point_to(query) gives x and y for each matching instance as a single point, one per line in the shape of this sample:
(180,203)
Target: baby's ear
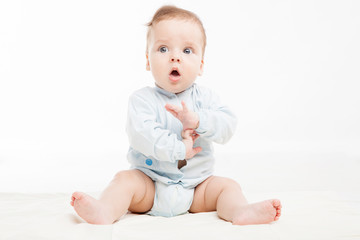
(147,62)
(201,68)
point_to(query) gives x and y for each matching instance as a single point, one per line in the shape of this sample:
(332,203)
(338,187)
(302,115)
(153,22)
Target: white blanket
(320,196)
(306,215)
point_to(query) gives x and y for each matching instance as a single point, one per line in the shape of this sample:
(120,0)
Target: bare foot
(89,209)
(258,213)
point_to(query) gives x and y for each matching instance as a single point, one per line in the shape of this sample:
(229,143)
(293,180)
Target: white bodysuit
(156,144)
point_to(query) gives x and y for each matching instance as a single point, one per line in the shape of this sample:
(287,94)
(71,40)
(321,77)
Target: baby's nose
(175,60)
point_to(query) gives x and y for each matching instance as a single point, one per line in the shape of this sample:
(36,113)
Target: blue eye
(163,49)
(187,51)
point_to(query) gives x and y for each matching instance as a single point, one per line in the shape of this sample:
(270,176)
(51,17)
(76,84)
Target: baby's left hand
(189,136)
(188,118)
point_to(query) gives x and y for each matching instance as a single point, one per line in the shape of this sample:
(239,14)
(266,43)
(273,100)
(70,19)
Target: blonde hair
(171,12)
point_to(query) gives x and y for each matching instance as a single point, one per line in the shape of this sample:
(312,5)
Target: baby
(171,128)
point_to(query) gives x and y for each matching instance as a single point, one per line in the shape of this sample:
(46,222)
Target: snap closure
(148,162)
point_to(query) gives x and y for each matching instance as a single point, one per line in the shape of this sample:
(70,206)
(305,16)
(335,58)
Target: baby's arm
(147,134)
(216,122)
(212,120)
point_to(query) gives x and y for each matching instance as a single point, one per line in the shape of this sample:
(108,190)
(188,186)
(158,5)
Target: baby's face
(175,54)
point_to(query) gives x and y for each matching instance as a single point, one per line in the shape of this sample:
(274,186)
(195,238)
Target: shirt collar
(170,94)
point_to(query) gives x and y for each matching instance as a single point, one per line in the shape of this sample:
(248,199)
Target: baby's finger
(175,114)
(173,108)
(195,136)
(197,150)
(187,133)
(194,152)
(185,109)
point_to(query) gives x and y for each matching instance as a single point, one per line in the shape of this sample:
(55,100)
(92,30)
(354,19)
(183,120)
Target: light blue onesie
(156,144)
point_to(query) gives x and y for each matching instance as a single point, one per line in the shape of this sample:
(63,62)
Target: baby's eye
(163,49)
(187,50)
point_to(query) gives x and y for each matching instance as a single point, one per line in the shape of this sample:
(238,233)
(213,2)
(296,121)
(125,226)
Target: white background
(290,70)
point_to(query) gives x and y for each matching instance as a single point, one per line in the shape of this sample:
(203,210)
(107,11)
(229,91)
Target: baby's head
(176,43)
(171,12)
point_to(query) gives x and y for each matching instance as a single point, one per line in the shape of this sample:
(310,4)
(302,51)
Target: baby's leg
(225,196)
(129,190)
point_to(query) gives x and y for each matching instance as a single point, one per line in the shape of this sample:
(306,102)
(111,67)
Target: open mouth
(174,75)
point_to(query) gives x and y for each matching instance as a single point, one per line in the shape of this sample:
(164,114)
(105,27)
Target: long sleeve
(216,122)
(147,134)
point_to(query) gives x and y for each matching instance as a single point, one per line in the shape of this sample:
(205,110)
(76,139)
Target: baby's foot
(89,209)
(258,213)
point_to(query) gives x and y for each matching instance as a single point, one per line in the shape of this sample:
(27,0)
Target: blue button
(148,162)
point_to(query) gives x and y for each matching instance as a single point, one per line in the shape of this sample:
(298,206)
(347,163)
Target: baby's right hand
(188,118)
(189,137)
